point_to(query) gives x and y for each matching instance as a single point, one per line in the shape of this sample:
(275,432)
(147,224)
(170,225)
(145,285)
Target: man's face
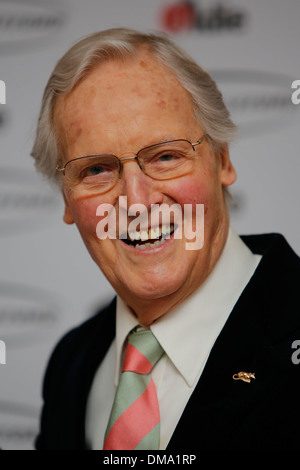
(119,109)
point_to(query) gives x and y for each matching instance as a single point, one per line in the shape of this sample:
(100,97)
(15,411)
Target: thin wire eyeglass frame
(137,157)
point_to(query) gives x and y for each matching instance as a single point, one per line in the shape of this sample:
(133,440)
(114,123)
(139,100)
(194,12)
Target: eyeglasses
(97,174)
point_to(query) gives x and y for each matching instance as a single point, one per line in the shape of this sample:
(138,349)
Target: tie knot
(142,352)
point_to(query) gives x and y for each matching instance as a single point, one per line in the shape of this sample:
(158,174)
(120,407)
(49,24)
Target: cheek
(201,189)
(84,214)
(192,191)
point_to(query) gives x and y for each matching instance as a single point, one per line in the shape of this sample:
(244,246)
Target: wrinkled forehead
(134,81)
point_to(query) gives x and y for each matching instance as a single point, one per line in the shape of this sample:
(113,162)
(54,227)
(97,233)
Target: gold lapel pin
(244,376)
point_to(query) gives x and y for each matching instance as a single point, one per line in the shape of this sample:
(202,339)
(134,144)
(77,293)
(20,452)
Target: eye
(167,157)
(166,162)
(170,157)
(95,170)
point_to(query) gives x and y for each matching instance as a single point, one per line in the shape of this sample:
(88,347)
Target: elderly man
(195,351)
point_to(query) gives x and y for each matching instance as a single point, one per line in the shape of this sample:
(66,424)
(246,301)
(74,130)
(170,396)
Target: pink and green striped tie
(134,419)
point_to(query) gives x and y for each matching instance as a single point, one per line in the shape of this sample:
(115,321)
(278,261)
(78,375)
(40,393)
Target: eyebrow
(165,138)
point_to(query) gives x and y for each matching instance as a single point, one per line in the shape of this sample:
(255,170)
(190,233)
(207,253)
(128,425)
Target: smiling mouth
(152,238)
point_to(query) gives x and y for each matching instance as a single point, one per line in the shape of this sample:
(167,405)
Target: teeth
(144,246)
(154,233)
(144,235)
(135,236)
(164,231)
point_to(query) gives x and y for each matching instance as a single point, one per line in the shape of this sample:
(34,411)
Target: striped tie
(134,419)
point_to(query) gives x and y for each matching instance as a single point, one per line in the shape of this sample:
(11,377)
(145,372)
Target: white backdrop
(48,283)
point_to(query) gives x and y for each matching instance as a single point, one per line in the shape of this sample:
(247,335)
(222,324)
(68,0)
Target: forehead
(124,97)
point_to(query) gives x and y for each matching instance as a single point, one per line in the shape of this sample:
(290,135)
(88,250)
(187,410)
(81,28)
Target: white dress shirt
(187,334)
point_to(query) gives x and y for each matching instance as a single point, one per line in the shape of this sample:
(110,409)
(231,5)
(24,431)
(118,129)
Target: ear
(67,217)
(227,171)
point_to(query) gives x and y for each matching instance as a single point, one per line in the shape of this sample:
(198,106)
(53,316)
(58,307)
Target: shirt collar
(189,330)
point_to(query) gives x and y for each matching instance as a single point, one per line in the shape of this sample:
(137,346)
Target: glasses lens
(95,174)
(167,160)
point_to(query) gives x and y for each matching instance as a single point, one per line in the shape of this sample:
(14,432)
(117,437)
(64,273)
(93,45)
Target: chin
(154,290)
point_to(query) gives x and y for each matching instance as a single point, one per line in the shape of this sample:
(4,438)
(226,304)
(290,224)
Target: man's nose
(138,187)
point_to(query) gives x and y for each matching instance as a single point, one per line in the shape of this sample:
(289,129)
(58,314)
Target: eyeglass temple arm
(200,141)
(60,169)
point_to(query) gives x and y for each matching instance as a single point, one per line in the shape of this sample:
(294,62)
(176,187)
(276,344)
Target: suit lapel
(223,413)
(99,336)
(218,400)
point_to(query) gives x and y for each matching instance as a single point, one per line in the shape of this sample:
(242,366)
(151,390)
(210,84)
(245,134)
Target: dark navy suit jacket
(222,413)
